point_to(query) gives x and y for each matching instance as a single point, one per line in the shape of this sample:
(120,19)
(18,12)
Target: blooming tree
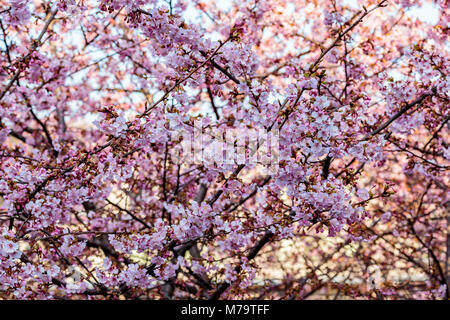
(96,201)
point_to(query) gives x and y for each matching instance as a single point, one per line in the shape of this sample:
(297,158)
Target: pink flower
(363,194)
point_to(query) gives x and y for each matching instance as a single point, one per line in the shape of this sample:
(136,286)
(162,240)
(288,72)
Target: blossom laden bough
(180,149)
